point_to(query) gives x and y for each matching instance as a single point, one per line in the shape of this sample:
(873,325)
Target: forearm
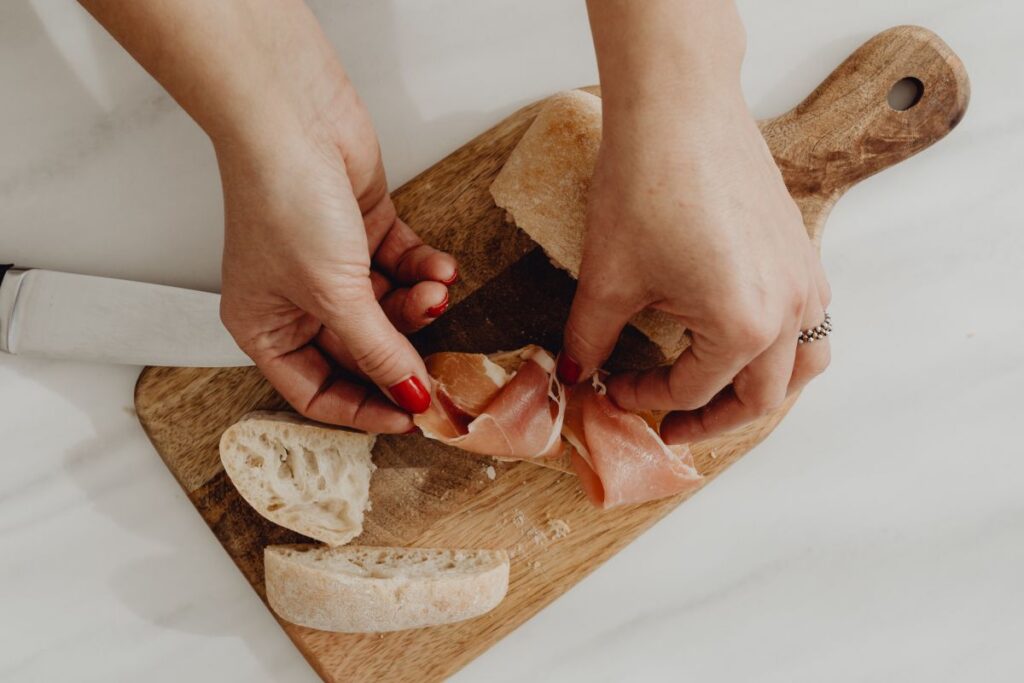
(245,70)
(670,52)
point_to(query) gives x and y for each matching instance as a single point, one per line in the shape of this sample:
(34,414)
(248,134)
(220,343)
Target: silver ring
(817,332)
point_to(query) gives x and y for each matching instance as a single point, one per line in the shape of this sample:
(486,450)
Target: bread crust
(543,188)
(363,589)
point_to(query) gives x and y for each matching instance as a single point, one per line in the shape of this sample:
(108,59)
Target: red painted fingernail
(437,310)
(568,369)
(414,430)
(452,279)
(411,395)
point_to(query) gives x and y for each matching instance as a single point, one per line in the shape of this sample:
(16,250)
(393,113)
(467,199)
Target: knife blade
(106,320)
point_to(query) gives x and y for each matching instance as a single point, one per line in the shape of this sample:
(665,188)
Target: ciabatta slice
(364,589)
(307,477)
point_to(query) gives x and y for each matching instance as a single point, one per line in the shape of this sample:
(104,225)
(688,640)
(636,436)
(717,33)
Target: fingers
(376,349)
(758,389)
(308,382)
(728,411)
(811,360)
(403,256)
(700,372)
(412,308)
(595,322)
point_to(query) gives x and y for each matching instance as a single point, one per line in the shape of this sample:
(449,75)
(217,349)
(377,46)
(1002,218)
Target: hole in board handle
(905,93)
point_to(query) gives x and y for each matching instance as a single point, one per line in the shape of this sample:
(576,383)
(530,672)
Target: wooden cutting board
(425,494)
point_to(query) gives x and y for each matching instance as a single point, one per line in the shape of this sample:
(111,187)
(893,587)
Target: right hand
(689,214)
(321,277)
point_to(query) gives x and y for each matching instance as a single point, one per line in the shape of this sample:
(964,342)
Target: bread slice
(543,188)
(364,589)
(307,477)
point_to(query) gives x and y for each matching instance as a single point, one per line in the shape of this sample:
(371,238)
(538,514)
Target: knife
(101,319)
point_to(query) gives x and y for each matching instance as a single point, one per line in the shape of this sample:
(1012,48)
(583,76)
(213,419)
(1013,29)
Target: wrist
(665,53)
(277,107)
(272,77)
(282,126)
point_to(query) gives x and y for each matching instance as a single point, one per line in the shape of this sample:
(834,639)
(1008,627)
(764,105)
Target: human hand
(321,277)
(689,214)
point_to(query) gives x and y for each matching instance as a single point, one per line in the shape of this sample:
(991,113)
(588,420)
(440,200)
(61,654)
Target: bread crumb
(519,518)
(535,565)
(558,528)
(491,474)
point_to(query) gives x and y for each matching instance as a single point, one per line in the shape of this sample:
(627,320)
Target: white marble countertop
(877,535)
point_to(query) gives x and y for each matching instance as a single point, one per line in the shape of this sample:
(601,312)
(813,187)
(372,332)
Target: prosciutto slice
(618,456)
(480,406)
(511,406)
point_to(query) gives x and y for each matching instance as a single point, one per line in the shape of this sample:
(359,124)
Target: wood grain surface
(425,494)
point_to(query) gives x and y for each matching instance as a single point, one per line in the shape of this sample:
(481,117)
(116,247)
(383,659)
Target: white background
(877,535)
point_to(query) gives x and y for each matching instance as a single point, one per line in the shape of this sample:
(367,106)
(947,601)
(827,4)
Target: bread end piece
(543,188)
(304,476)
(364,589)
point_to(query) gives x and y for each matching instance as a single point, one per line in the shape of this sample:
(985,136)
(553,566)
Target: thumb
(595,322)
(376,348)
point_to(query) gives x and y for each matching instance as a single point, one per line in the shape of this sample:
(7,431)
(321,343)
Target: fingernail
(452,279)
(437,310)
(568,369)
(414,430)
(411,395)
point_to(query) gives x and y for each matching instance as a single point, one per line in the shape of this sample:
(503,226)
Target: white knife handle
(60,315)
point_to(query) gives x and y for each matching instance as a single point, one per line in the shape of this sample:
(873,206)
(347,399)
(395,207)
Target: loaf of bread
(363,589)
(307,477)
(543,188)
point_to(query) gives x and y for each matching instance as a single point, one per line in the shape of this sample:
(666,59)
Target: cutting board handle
(854,124)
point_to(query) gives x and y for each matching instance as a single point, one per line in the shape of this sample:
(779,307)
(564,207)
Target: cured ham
(511,406)
(618,456)
(507,406)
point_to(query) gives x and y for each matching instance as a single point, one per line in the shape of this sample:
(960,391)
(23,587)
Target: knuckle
(582,347)
(378,359)
(682,395)
(353,412)
(795,302)
(759,397)
(413,258)
(749,329)
(331,281)
(766,400)
(603,291)
(338,293)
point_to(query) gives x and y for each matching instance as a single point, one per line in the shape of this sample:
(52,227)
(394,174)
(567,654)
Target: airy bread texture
(307,477)
(363,589)
(543,188)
